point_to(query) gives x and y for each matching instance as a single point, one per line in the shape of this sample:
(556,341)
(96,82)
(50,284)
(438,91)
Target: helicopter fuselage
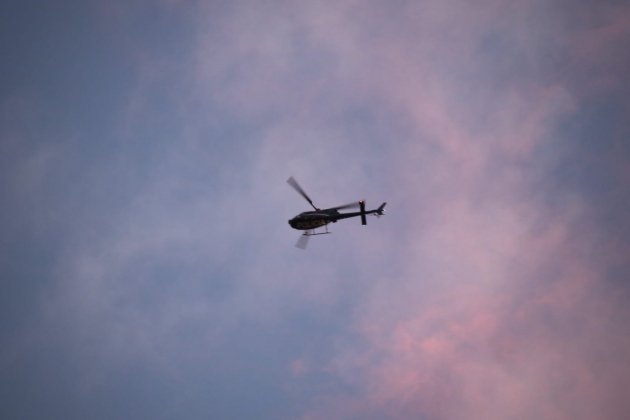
(318,218)
(312,220)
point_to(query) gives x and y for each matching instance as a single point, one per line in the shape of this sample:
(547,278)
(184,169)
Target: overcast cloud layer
(146,264)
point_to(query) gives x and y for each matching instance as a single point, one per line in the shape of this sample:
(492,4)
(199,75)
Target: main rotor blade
(346,206)
(292,182)
(302,241)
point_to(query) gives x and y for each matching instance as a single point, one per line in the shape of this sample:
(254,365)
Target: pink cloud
(497,306)
(500,311)
(515,351)
(485,293)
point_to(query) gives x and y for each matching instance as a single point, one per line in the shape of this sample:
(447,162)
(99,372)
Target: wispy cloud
(492,288)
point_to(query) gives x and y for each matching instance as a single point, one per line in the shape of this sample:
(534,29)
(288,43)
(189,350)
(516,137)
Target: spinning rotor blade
(292,182)
(347,206)
(302,241)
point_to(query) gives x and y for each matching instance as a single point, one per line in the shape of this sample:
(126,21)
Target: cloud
(493,286)
(493,310)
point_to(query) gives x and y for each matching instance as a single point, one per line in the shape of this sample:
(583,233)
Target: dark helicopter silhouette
(311,220)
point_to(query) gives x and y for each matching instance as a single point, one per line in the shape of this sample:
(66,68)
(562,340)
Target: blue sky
(147,265)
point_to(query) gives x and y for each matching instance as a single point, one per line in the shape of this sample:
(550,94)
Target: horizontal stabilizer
(380,211)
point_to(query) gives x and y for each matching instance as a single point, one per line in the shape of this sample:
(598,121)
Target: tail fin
(362,206)
(380,211)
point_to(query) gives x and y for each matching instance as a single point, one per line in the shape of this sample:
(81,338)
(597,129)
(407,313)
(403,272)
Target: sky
(146,264)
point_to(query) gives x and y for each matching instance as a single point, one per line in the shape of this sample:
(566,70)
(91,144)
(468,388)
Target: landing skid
(303,239)
(315,233)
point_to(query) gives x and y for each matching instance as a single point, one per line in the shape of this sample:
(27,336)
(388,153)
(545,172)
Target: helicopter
(308,221)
